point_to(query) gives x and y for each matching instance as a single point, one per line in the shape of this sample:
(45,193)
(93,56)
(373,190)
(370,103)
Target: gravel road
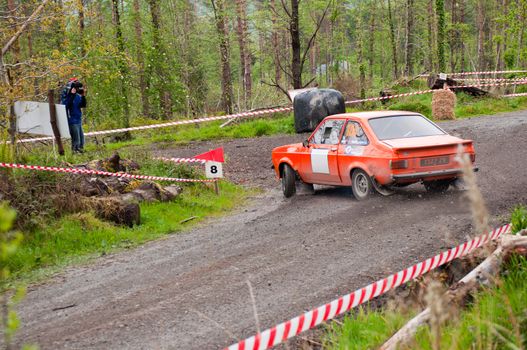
(189,291)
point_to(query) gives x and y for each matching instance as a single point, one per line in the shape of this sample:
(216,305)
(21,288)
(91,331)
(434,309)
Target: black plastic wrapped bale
(312,106)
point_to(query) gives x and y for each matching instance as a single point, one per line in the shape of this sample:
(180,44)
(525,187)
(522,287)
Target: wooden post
(53,120)
(217,187)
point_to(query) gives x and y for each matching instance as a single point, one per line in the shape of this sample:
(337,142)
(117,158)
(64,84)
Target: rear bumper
(429,174)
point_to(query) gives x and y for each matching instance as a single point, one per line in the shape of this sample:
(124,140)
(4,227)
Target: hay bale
(443,104)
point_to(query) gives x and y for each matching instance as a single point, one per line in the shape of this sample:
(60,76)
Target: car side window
(354,135)
(328,133)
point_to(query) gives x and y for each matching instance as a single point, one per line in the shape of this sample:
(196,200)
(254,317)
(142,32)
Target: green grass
(77,237)
(466,106)
(364,329)
(496,318)
(279,124)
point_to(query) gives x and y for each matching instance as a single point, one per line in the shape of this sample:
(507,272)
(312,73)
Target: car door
(353,145)
(322,155)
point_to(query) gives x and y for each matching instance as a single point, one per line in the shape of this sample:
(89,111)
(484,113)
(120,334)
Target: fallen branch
(482,275)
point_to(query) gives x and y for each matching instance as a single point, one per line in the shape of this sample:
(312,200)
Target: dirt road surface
(190,291)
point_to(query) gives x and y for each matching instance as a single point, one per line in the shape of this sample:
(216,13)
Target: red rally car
(373,150)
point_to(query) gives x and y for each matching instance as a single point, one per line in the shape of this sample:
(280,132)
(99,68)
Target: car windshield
(403,126)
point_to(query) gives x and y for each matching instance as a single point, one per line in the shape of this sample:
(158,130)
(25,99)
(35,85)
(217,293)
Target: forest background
(144,60)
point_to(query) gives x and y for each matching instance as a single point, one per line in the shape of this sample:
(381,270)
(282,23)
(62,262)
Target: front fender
(284,160)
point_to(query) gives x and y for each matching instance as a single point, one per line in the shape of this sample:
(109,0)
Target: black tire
(437,186)
(360,184)
(288,181)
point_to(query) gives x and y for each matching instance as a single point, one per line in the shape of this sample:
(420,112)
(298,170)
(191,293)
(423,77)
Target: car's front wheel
(360,184)
(288,181)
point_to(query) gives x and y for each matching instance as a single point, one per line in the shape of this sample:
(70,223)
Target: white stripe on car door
(319,161)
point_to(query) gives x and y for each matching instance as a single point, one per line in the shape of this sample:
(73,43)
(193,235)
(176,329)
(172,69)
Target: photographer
(75,101)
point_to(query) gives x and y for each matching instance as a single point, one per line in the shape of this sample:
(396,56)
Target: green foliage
(496,319)
(519,219)
(9,245)
(364,329)
(76,237)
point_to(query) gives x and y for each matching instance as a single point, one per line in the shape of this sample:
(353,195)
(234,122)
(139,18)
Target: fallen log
(483,275)
(435,82)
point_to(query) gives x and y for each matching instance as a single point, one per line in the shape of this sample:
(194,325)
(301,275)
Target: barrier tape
(518,82)
(259,113)
(97,172)
(480,73)
(175,123)
(278,334)
(516,95)
(494,79)
(388,97)
(182,160)
(488,72)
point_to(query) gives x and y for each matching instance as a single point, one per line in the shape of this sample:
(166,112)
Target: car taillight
(473,157)
(399,164)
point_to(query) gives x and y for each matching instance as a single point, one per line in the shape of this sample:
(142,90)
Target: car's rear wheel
(360,184)
(437,186)
(288,181)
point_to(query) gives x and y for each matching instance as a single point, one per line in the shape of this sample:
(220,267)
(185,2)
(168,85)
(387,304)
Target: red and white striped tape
(493,79)
(480,73)
(260,112)
(182,160)
(176,123)
(96,172)
(488,72)
(516,95)
(308,320)
(504,83)
(388,97)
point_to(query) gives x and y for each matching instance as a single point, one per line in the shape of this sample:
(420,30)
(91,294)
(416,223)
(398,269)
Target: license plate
(435,161)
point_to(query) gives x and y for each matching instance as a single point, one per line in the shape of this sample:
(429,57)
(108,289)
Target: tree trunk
(226,76)
(454,35)
(123,68)
(275,43)
(409,45)
(392,40)
(245,55)
(461,42)
(371,57)
(145,104)
(440,10)
(294,31)
(165,96)
(481,35)
(362,69)
(12,8)
(430,37)
(80,8)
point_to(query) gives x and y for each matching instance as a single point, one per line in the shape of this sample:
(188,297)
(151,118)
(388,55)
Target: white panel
(319,161)
(213,170)
(33,118)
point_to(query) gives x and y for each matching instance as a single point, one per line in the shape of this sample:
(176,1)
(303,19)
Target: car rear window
(403,126)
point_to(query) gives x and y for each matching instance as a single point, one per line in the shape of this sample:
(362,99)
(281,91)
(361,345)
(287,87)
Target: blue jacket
(74,103)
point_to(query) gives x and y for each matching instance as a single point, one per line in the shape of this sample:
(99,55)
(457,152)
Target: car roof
(372,114)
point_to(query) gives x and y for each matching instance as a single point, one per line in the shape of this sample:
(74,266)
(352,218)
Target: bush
(519,219)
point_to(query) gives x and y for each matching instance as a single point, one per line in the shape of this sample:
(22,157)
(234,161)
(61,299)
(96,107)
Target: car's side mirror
(305,143)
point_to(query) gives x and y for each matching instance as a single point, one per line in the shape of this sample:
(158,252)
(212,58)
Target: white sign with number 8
(213,170)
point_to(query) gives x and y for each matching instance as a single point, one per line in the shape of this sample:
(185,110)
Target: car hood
(425,141)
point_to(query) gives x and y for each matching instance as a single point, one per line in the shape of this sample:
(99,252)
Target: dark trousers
(77,137)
